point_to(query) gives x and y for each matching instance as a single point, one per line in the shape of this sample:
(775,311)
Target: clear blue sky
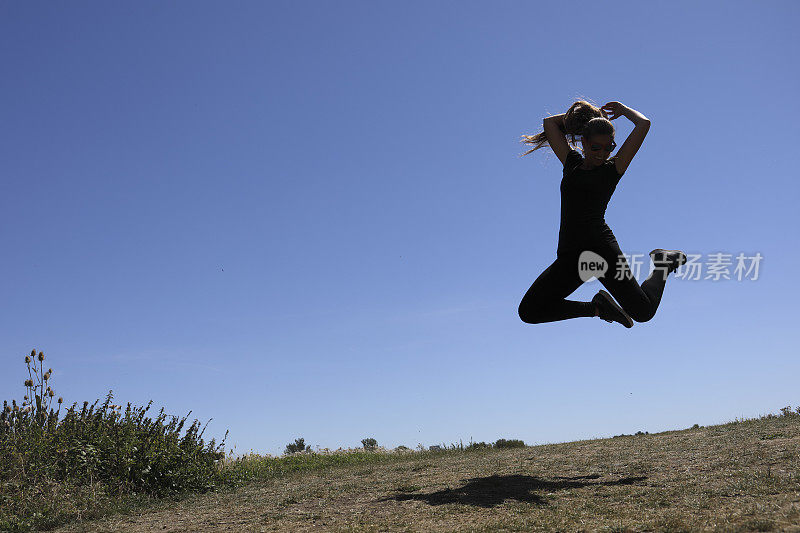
(311,220)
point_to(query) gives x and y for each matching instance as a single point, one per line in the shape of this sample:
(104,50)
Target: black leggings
(546,300)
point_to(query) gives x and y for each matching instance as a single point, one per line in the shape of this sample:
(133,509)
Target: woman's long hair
(581,119)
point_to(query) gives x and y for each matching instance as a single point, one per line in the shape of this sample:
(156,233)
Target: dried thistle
(41,356)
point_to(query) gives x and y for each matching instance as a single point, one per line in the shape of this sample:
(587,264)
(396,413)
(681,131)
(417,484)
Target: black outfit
(584,198)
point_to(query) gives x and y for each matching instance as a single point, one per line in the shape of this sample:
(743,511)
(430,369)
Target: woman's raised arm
(554,129)
(635,139)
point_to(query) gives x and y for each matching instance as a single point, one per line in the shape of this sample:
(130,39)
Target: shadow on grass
(494,490)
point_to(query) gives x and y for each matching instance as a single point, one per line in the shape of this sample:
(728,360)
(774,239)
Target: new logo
(591,266)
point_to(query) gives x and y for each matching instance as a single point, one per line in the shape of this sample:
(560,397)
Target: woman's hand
(615,108)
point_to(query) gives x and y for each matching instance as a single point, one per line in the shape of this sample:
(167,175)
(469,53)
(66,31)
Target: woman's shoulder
(611,168)
(573,159)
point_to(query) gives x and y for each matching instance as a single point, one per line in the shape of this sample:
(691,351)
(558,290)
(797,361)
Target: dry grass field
(739,476)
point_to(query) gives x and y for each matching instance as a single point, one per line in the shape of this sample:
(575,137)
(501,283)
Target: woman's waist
(589,226)
(582,234)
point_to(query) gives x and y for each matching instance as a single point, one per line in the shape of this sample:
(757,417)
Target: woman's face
(603,146)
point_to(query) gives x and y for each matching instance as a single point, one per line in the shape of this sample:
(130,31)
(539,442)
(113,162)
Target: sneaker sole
(607,297)
(681,260)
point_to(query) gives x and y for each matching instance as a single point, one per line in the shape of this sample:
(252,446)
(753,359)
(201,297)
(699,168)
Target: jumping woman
(588,182)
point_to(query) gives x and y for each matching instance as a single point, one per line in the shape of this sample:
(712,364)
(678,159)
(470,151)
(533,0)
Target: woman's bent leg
(639,301)
(545,300)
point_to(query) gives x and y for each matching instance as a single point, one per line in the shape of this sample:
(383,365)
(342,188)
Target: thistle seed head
(60,399)
(27,358)
(50,392)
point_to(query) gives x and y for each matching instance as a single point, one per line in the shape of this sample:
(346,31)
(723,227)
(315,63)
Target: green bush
(513,443)
(92,454)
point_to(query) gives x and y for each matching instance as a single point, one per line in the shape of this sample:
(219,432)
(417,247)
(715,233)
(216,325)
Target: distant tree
(369,444)
(297,446)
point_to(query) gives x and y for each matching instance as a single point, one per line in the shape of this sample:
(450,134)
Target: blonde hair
(583,118)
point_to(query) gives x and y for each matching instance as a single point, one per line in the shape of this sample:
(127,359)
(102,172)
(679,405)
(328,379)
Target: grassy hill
(739,476)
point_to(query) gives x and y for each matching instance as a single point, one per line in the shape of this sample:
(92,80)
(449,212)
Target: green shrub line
(55,467)
(98,459)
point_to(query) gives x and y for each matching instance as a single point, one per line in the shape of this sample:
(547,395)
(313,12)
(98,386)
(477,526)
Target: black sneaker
(610,311)
(672,258)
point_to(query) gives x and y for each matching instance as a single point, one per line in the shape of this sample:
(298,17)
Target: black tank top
(584,198)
